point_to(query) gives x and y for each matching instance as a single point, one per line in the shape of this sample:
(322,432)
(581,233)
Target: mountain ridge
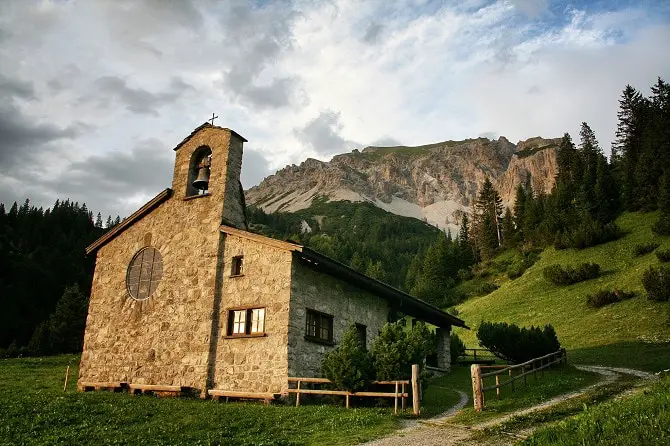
(435,182)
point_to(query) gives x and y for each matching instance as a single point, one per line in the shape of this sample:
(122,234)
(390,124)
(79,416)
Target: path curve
(437,430)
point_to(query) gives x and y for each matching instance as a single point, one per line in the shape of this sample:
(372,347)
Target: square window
(319,326)
(246,322)
(236,267)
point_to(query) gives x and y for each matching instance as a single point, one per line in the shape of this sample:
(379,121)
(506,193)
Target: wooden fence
(533,366)
(476,356)
(400,392)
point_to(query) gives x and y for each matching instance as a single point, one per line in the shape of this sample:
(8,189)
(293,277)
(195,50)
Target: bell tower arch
(208,164)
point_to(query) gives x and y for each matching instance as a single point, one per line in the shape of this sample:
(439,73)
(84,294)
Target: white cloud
(119,80)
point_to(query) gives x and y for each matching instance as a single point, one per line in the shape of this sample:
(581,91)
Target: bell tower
(208,165)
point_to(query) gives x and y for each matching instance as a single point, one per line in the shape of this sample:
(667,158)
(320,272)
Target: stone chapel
(185,296)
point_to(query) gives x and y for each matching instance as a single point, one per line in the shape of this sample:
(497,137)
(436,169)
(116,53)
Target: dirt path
(438,430)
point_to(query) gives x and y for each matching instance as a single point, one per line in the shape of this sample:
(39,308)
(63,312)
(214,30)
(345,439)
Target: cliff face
(436,182)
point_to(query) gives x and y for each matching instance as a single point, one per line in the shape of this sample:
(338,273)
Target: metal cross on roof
(213,118)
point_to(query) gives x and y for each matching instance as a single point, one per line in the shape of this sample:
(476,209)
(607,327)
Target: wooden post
(415,390)
(475,354)
(297,395)
(395,407)
(347,399)
(498,386)
(403,396)
(510,375)
(67,373)
(477,395)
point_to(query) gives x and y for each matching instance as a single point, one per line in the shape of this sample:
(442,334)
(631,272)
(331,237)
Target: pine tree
(98,221)
(625,149)
(662,225)
(508,230)
(606,193)
(68,321)
(488,213)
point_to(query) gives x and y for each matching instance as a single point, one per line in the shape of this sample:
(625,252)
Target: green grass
(555,382)
(35,410)
(643,419)
(633,333)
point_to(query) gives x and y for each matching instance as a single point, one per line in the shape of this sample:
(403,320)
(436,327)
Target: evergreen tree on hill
(487,220)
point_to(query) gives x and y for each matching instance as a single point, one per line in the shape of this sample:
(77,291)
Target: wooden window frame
(237,266)
(248,311)
(319,317)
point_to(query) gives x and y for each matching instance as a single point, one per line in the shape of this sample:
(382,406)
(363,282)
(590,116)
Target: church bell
(202,181)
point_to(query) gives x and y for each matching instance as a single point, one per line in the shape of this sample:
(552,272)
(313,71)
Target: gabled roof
(118,229)
(399,300)
(203,126)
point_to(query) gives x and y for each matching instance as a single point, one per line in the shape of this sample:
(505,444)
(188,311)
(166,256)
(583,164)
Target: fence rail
(485,356)
(533,366)
(400,393)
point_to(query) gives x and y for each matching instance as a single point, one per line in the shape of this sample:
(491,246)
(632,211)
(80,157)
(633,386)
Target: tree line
(589,193)
(45,276)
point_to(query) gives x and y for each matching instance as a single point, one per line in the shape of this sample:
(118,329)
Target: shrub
(656,282)
(663,256)
(662,225)
(606,297)
(511,343)
(515,270)
(394,351)
(486,288)
(464,274)
(589,233)
(558,275)
(349,366)
(645,248)
(457,348)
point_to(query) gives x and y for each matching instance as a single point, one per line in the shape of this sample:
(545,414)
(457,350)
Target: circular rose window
(144,273)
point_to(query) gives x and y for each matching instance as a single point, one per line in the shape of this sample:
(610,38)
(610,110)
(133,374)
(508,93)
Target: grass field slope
(632,333)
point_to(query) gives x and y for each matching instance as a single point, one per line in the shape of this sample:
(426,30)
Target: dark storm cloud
(144,168)
(256,38)
(137,100)
(22,137)
(322,134)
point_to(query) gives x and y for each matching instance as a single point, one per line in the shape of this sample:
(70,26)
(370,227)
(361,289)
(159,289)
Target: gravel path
(438,431)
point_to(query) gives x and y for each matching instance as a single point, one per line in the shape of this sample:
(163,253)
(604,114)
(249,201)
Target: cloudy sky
(94,94)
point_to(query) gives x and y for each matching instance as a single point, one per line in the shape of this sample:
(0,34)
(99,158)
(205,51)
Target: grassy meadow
(35,410)
(643,419)
(633,333)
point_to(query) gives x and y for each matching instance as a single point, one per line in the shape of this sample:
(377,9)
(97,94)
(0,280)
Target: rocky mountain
(435,182)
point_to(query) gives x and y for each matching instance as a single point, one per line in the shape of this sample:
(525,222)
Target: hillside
(633,333)
(370,240)
(435,182)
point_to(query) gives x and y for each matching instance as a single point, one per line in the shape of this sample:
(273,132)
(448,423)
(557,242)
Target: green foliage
(663,256)
(360,235)
(486,288)
(395,350)
(68,321)
(606,297)
(511,343)
(515,270)
(656,282)
(487,230)
(349,366)
(586,234)
(645,248)
(41,253)
(568,275)
(457,348)
(632,333)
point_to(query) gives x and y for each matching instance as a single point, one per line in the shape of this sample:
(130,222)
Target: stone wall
(166,338)
(324,293)
(255,364)
(233,205)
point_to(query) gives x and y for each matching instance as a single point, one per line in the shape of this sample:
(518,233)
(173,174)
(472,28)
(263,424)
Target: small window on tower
(236,268)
